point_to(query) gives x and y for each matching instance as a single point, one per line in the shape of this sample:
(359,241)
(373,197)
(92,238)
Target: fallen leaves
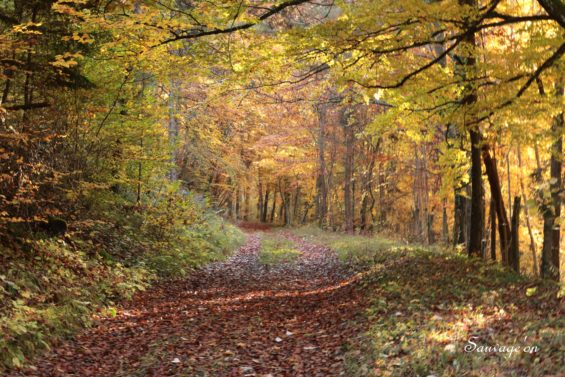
(234,318)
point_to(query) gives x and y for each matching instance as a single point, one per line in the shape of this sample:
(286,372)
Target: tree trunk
(551,208)
(474,247)
(260,202)
(444,223)
(527,213)
(296,205)
(368,184)
(307,207)
(173,133)
(492,215)
(274,207)
(237,203)
(322,190)
(265,205)
(460,218)
(496,195)
(509,182)
(139,171)
(348,167)
(466,65)
(514,253)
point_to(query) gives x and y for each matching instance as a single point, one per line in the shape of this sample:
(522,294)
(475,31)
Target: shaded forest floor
(241,317)
(308,303)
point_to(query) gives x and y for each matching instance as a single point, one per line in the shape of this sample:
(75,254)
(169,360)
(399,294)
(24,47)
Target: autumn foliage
(134,134)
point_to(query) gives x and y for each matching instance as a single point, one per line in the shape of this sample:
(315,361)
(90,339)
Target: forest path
(232,318)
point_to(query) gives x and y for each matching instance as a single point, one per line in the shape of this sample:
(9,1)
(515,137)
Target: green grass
(356,250)
(426,303)
(277,250)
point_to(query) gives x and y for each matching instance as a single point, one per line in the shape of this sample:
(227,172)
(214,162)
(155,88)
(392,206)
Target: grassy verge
(436,313)
(276,250)
(50,287)
(359,251)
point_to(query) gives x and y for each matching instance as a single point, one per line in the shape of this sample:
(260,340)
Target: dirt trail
(234,318)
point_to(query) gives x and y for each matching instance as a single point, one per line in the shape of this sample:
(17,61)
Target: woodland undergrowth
(50,287)
(426,303)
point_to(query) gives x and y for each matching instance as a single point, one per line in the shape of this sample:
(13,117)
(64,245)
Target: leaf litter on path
(232,318)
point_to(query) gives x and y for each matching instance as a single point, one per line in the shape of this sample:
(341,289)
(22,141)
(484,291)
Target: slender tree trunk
(527,213)
(551,209)
(509,182)
(322,189)
(496,195)
(444,223)
(9,73)
(492,215)
(246,203)
(514,254)
(282,208)
(139,171)
(173,132)
(287,212)
(237,211)
(265,205)
(260,203)
(274,207)
(368,184)
(285,203)
(460,219)
(474,247)
(296,205)
(307,207)
(348,166)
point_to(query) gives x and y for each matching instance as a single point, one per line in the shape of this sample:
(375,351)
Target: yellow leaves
(67,60)
(65,7)
(238,67)
(28,28)
(80,38)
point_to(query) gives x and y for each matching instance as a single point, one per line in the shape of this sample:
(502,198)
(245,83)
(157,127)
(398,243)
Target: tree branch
(556,9)
(28,106)
(199,32)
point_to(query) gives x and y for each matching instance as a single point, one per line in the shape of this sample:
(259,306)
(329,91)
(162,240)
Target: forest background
(133,130)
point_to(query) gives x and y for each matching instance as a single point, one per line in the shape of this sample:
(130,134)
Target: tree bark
(260,202)
(367,186)
(460,219)
(551,208)
(496,195)
(348,167)
(444,223)
(466,60)
(527,213)
(237,203)
(265,205)
(246,203)
(514,254)
(474,247)
(274,207)
(556,9)
(321,186)
(296,204)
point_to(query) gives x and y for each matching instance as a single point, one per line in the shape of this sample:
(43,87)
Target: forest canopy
(145,128)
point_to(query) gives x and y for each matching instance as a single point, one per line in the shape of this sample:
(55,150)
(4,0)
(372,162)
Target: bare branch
(199,32)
